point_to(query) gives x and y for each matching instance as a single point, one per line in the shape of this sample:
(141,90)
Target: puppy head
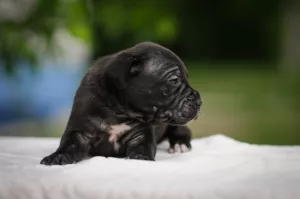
(151,83)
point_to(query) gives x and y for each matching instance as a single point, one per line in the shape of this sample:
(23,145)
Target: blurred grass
(256,106)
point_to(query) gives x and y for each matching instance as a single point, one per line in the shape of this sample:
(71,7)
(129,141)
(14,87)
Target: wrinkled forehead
(160,66)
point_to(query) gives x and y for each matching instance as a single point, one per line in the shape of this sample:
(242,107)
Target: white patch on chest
(115,131)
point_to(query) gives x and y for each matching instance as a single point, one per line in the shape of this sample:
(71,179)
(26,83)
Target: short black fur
(127,103)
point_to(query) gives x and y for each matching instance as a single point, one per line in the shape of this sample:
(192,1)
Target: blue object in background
(37,95)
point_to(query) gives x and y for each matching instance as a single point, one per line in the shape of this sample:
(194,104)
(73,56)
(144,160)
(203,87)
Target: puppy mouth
(180,111)
(183,114)
(187,109)
(187,112)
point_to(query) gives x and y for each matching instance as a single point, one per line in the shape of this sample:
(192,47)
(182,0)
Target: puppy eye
(134,66)
(135,62)
(174,80)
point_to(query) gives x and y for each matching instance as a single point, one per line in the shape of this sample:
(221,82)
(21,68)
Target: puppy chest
(116,131)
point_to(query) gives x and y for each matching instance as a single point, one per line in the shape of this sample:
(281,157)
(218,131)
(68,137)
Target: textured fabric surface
(217,167)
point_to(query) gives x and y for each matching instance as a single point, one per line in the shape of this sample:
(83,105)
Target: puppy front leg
(73,148)
(179,138)
(142,145)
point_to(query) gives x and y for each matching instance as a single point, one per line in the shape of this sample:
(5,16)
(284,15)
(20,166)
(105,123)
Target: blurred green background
(243,57)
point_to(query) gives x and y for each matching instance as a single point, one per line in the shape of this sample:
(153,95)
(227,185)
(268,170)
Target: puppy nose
(198,98)
(198,101)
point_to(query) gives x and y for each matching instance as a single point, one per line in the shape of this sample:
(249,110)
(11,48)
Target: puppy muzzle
(191,106)
(187,110)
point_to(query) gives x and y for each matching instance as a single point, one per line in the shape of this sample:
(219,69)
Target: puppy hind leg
(73,148)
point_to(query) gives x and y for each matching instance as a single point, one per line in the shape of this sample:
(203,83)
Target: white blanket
(218,167)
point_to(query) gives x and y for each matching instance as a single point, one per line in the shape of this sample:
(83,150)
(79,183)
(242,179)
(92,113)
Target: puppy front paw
(140,157)
(58,159)
(180,148)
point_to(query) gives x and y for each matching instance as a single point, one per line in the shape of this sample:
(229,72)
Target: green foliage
(16,37)
(77,20)
(141,20)
(119,24)
(22,40)
(196,30)
(147,19)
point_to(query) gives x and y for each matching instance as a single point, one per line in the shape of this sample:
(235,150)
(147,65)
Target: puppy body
(127,103)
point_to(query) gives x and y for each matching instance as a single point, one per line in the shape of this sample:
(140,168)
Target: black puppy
(126,103)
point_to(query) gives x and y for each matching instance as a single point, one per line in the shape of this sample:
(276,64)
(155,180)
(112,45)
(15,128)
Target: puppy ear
(134,68)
